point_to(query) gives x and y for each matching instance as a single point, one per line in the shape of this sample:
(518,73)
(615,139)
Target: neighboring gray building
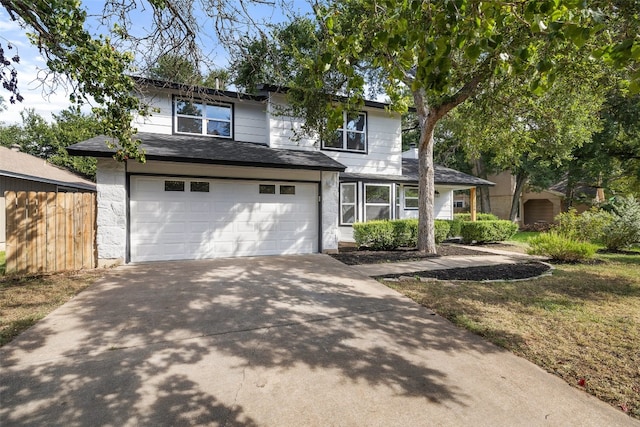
(24,172)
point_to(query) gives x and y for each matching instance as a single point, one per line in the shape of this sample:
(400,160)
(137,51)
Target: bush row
(388,235)
(575,237)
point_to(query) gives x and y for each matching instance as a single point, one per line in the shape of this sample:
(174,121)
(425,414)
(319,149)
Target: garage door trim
(220,178)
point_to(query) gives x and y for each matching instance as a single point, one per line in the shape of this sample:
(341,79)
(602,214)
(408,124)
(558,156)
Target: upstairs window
(196,117)
(352,136)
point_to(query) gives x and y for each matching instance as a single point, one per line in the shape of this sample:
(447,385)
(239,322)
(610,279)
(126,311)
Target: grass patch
(523,237)
(3,262)
(582,323)
(26,300)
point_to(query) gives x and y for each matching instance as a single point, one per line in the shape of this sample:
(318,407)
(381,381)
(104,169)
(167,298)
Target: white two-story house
(224,177)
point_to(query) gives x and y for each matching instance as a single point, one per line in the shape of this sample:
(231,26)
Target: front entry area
(174,218)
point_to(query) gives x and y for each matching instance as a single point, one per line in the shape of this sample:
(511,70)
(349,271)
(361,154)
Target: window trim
(410,208)
(389,204)
(354,204)
(204,119)
(342,129)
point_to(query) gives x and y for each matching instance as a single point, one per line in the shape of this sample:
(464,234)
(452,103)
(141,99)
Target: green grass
(523,236)
(3,262)
(581,323)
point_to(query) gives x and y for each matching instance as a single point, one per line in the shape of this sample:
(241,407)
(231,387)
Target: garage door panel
(232,219)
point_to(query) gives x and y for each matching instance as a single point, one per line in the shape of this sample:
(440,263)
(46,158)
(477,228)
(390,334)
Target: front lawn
(25,300)
(582,323)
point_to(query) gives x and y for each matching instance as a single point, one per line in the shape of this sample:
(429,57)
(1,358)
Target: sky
(32,66)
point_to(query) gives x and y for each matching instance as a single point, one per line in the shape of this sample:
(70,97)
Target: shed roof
(16,164)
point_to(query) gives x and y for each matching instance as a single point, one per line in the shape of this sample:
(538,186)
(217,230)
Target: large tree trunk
(426,187)
(521,179)
(480,170)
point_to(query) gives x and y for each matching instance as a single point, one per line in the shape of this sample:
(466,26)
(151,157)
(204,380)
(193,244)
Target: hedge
(388,235)
(479,216)
(487,231)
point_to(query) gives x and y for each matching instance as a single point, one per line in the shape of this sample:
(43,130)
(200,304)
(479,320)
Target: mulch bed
(494,272)
(351,256)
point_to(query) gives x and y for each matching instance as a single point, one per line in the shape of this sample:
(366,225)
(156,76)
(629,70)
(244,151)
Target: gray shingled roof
(442,176)
(16,164)
(202,149)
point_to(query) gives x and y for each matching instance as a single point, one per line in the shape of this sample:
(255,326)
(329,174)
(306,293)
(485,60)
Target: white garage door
(176,218)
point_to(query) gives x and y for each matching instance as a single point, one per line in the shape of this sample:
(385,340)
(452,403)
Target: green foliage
(561,248)
(624,229)
(487,231)
(441,229)
(588,226)
(388,235)
(375,235)
(479,216)
(405,232)
(455,225)
(178,69)
(49,140)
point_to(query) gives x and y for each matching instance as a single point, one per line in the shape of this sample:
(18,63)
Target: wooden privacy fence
(48,232)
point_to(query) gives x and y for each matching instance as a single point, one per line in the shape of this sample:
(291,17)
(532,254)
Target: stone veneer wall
(330,208)
(112,212)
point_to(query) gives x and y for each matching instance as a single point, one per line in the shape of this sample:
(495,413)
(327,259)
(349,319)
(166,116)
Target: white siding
(249,117)
(384,141)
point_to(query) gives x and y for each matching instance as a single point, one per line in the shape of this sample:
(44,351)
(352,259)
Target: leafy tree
(49,140)
(440,53)
(611,159)
(98,67)
(533,136)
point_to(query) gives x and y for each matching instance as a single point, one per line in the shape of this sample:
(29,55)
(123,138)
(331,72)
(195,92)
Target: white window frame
(344,131)
(411,208)
(388,204)
(461,202)
(354,203)
(204,119)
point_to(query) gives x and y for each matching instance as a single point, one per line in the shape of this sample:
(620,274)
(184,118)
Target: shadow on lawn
(171,343)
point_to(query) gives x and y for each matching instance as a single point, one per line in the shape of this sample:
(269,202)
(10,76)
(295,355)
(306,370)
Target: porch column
(472,203)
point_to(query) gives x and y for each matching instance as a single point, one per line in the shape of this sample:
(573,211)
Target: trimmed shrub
(487,231)
(479,216)
(441,229)
(624,229)
(586,227)
(388,235)
(561,248)
(405,232)
(454,227)
(376,235)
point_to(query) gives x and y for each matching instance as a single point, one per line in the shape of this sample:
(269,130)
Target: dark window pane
(174,186)
(356,123)
(348,214)
(335,142)
(188,108)
(355,141)
(218,112)
(411,192)
(189,125)
(377,212)
(411,203)
(218,128)
(287,189)
(267,189)
(199,187)
(377,194)
(348,193)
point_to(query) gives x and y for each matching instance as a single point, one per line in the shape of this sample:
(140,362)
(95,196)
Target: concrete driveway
(269,341)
